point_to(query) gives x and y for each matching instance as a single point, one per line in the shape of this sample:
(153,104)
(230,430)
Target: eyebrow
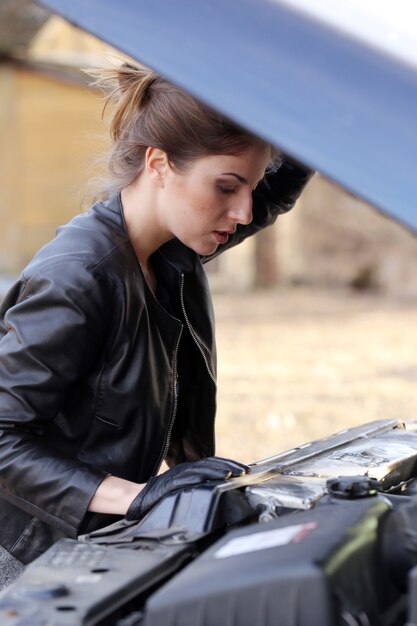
(240,178)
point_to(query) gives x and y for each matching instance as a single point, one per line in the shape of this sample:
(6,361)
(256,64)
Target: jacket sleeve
(52,335)
(276,194)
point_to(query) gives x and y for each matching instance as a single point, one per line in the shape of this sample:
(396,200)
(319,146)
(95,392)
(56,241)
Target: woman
(107,355)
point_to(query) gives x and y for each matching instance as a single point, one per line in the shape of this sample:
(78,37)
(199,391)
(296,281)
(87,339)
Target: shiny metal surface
(385,450)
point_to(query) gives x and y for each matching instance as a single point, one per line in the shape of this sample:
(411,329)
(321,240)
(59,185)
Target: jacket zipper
(175,376)
(174,405)
(197,343)
(192,333)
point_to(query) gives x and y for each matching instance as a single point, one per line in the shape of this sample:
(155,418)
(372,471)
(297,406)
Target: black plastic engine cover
(83,584)
(309,568)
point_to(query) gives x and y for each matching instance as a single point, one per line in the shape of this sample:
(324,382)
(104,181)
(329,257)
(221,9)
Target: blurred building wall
(334,239)
(50,131)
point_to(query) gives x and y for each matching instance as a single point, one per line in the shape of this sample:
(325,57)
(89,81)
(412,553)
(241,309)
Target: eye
(227,190)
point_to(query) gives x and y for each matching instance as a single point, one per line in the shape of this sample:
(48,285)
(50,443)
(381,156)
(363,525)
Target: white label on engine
(263,540)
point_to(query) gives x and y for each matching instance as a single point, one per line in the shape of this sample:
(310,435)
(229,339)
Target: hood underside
(322,95)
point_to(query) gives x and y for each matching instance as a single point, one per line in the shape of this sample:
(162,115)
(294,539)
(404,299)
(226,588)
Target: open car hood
(322,94)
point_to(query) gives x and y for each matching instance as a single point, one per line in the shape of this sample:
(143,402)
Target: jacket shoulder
(90,240)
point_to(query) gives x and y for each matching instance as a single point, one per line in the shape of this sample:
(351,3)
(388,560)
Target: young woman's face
(204,204)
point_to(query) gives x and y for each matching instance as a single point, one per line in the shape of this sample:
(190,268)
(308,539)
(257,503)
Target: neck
(144,229)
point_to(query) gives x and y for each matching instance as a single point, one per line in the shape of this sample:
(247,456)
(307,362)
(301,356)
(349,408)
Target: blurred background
(316,316)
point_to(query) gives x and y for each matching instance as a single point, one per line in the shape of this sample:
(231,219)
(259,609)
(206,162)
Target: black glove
(182,476)
(399,542)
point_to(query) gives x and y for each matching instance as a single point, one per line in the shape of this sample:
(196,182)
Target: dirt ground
(295,365)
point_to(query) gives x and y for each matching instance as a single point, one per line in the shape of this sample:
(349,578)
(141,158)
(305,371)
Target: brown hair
(147,110)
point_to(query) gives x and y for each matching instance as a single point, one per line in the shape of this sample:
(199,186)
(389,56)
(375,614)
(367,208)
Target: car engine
(300,541)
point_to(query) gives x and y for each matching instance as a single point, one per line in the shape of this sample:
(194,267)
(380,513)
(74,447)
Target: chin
(207,250)
(202,249)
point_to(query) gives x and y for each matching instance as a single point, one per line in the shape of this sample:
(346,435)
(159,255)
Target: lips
(221,236)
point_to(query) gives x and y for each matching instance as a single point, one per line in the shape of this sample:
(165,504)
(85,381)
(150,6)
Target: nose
(241,212)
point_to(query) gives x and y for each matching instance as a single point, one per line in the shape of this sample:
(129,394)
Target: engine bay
(297,541)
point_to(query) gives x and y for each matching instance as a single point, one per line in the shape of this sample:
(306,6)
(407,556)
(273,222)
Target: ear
(156,164)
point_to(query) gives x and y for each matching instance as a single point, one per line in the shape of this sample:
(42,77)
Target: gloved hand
(399,542)
(182,476)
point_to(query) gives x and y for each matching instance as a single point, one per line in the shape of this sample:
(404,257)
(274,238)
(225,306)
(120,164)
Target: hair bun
(135,81)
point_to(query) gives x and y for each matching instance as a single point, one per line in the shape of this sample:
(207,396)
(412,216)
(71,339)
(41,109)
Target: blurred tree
(267,272)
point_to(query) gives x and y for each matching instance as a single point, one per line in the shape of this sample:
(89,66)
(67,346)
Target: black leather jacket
(97,377)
